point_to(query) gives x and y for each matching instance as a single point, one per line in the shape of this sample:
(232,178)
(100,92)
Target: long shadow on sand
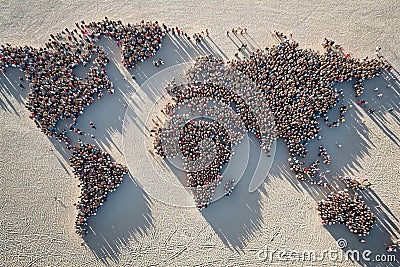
(10,89)
(125,217)
(383,97)
(126,214)
(112,228)
(237,218)
(355,140)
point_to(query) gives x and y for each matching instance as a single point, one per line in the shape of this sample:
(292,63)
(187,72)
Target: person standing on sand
(92,125)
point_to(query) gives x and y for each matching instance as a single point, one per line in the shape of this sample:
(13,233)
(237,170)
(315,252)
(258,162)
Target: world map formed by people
(296,83)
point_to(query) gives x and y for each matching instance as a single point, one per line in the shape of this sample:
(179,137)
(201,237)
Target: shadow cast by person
(374,249)
(252,39)
(348,145)
(127,213)
(12,88)
(220,52)
(125,217)
(240,48)
(112,108)
(383,99)
(240,219)
(384,102)
(237,218)
(175,50)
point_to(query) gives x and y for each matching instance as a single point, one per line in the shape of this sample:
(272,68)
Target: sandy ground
(134,229)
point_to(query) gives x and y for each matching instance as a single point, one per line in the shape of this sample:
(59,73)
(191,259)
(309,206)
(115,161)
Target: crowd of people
(231,86)
(138,42)
(297,86)
(98,175)
(344,208)
(279,92)
(202,160)
(55,91)
(228,187)
(202,94)
(355,184)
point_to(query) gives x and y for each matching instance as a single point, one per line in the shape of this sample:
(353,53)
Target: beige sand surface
(133,229)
